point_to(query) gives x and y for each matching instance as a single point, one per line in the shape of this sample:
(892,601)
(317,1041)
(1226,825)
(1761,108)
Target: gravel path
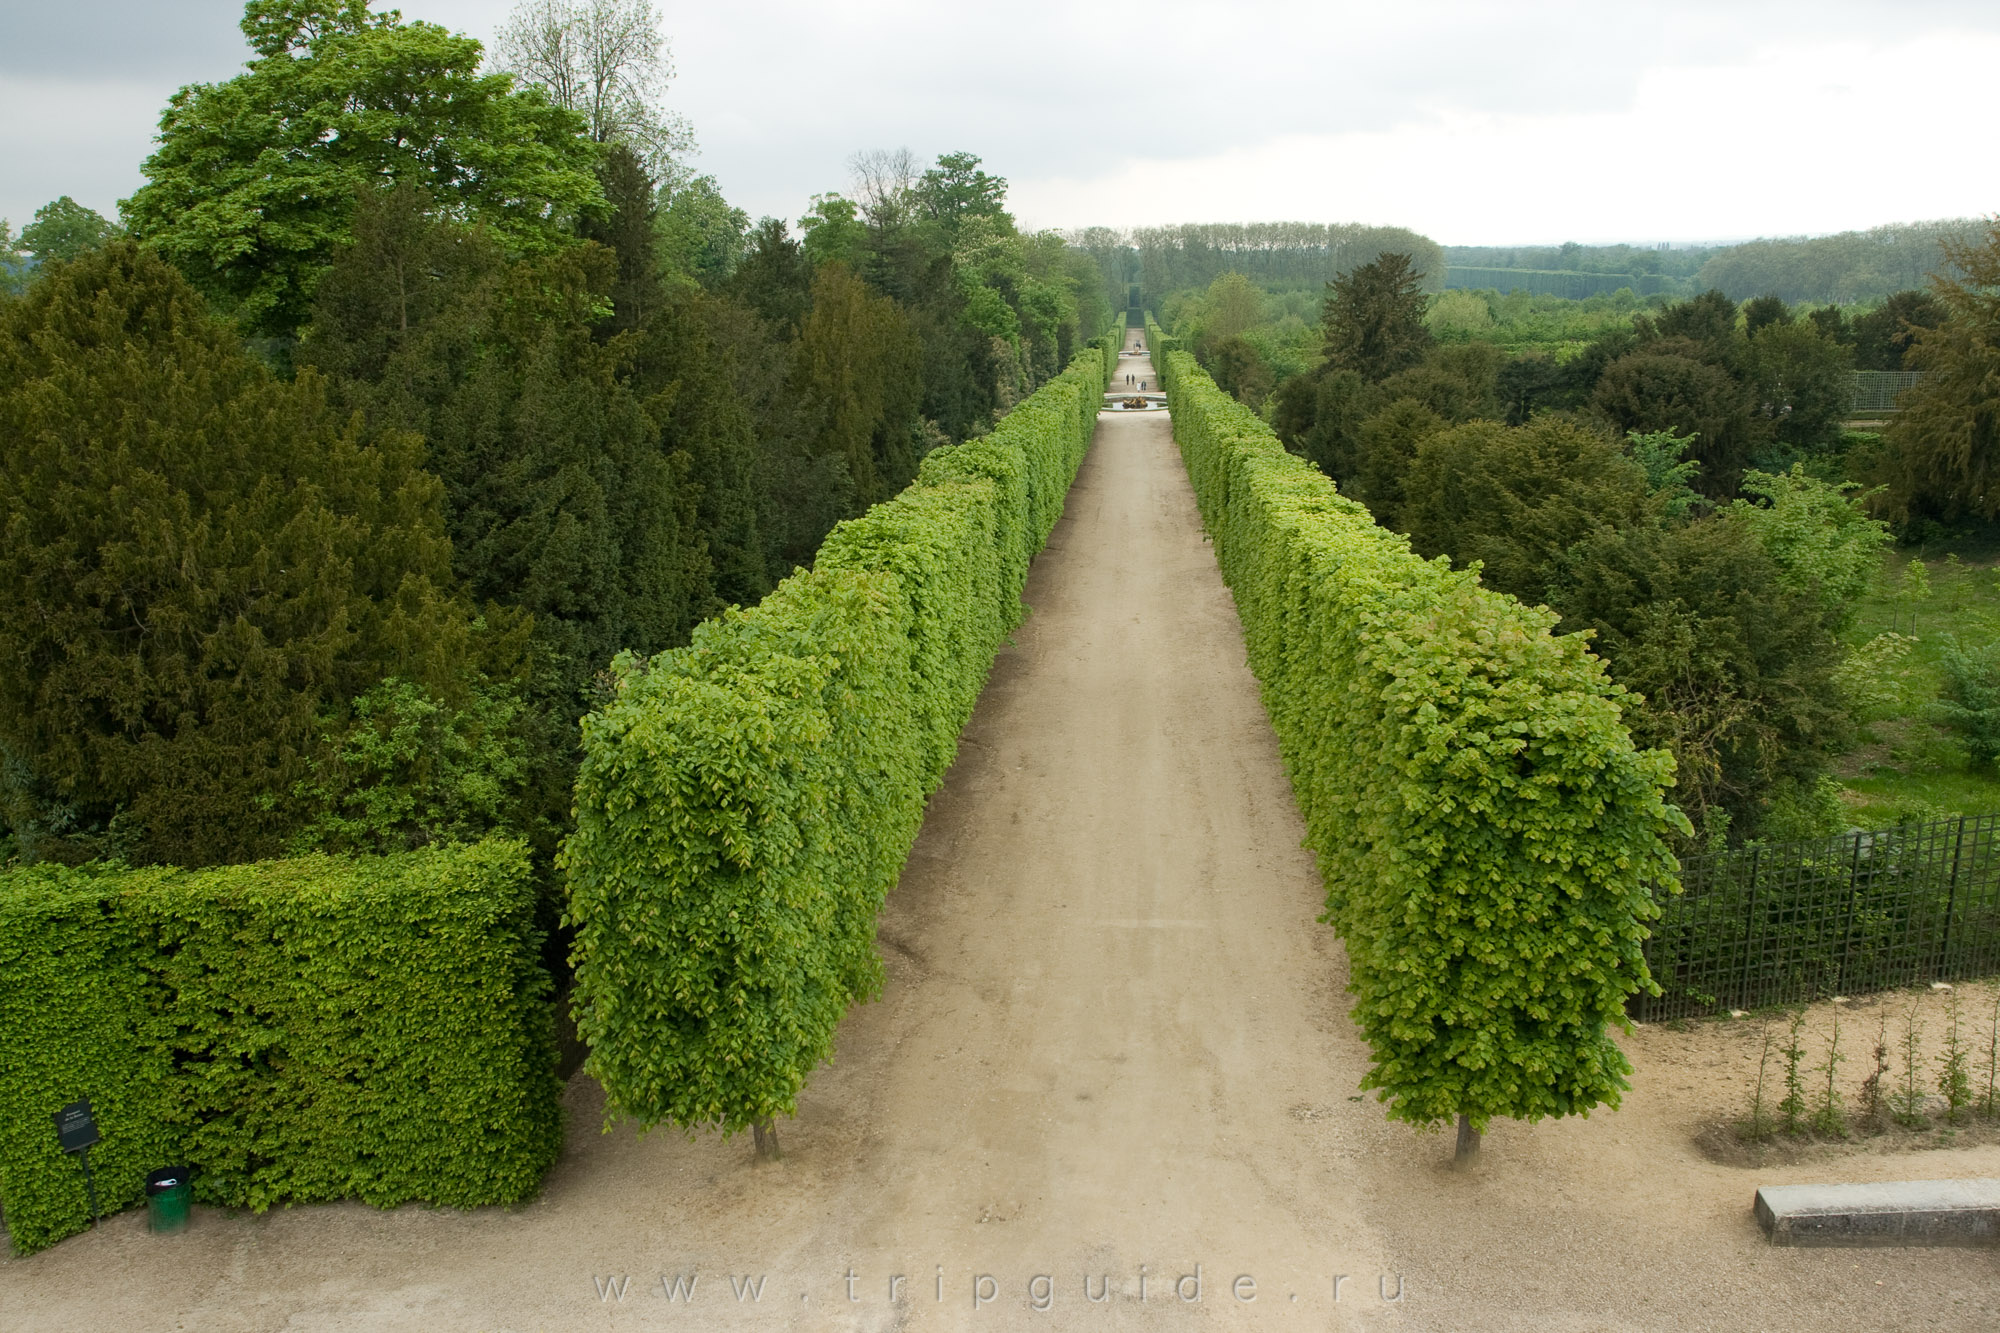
(1113,1044)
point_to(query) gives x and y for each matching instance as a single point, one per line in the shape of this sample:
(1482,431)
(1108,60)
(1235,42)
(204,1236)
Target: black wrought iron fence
(1804,921)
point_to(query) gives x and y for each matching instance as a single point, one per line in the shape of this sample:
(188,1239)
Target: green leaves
(746,803)
(1489,836)
(197,561)
(253,184)
(374,1028)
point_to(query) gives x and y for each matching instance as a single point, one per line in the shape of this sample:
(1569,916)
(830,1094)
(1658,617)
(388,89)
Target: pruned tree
(606,61)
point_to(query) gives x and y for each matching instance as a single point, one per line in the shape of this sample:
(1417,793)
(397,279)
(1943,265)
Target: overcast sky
(1489,123)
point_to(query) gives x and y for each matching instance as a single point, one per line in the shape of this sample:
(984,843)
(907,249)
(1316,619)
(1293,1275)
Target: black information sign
(76,1130)
(76,1127)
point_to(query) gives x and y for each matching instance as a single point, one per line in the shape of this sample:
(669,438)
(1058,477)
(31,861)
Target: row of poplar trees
(332,481)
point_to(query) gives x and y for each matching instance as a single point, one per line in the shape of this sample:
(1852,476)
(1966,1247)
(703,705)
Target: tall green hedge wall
(1487,832)
(311,1029)
(746,803)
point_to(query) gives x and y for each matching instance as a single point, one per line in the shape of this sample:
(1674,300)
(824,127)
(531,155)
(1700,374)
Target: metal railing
(1796,922)
(1876,390)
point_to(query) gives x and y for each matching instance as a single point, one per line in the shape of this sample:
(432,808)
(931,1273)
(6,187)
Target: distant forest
(1850,268)
(1854,267)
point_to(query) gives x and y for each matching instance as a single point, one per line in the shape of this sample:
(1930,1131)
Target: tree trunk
(1468,1144)
(766,1135)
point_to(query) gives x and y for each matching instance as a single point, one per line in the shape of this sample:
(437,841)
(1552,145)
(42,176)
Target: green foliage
(1374,318)
(201,563)
(1828,1117)
(1792,1106)
(1239,368)
(1389,442)
(833,231)
(1517,498)
(1668,386)
(1954,1067)
(1803,382)
(1883,337)
(1872,677)
(1320,419)
(1943,446)
(64,229)
(860,362)
(252,188)
(1489,836)
(13,264)
(629,228)
(1799,811)
(408,770)
(1820,537)
(293,1031)
(698,233)
(564,497)
(1289,256)
(957,190)
(1455,316)
(1969,701)
(745,803)
(1735,671)
(1668,473)
(1850,266)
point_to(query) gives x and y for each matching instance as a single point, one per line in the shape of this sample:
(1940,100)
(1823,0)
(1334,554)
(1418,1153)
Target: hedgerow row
(1487,832)
(745,803)
(376,1028)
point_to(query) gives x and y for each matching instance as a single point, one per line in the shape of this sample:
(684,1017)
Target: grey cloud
(183,41)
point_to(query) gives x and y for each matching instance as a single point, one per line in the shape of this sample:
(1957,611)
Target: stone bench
(1903,1212)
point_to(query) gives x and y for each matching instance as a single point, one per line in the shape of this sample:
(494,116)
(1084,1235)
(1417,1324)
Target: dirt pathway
(1113,1043)
(1108,1009)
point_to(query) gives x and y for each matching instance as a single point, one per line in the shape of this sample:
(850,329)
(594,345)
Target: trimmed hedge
(1487,832)
(746,803)
(376,1028)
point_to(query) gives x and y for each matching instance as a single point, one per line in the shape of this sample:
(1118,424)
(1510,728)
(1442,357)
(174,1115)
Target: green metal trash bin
(167,1198)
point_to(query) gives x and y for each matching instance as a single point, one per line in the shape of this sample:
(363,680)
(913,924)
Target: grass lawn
(1905,767)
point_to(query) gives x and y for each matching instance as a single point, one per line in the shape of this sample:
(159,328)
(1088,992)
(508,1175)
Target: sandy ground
(1113,1048)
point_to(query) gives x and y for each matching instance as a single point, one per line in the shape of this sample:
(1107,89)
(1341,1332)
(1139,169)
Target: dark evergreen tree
(1943,458)
(1733,673)
(562,501)
(1762,311)
(1373,318)
(773,279)
(1884,336)
(1671,385)
(681,369)
(203,566)
(629,230)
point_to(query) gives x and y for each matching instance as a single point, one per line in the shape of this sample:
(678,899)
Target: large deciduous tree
(606,61)
(64,229)
(253,185)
